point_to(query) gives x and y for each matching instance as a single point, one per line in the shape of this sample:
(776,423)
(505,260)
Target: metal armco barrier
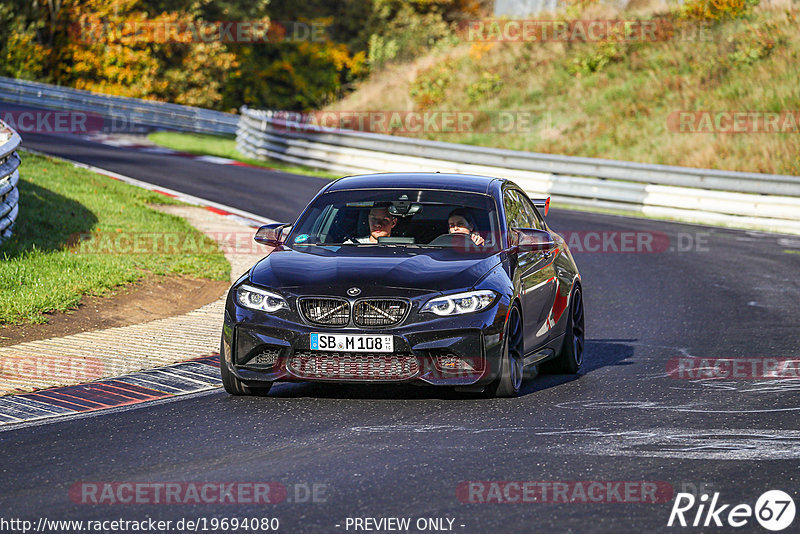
(9,178)
(124,114)
(736,199)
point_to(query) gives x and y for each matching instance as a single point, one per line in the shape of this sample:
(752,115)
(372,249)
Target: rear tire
(232,384)
(570,358)
(510,380)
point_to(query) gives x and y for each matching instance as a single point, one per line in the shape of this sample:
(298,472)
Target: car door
(537,275)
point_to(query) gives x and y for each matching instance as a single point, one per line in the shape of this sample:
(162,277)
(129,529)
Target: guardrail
(124,113)
(9,178)
(736,199)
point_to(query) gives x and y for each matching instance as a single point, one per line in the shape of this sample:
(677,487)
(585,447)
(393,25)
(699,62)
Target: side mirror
(272,234)
(531,240)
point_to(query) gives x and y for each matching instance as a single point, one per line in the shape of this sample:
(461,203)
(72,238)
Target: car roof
(418,180)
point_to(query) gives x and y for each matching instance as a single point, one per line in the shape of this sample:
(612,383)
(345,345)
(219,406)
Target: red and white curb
(159,383)
(193,376)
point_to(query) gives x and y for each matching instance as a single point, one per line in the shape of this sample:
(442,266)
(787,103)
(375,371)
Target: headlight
(459,303)
(259,299)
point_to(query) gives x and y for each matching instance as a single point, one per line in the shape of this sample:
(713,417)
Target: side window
(515,213)
(533,216)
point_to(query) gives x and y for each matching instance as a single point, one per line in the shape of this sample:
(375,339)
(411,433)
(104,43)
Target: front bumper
(261,347)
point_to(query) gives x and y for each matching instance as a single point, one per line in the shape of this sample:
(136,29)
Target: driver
(460,221)
(381,223)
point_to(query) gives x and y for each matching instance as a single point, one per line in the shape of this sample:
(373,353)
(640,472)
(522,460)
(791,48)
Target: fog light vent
(451,362)
(267,357)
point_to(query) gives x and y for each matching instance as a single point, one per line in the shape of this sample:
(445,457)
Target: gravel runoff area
(112,352)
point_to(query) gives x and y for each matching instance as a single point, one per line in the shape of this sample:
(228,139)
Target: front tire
(570,358)
(232,384)
(509,382)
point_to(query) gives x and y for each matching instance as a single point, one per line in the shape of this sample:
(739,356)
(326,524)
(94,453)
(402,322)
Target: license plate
(352,342)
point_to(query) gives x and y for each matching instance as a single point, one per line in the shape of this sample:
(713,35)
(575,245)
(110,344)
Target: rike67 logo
(774,510)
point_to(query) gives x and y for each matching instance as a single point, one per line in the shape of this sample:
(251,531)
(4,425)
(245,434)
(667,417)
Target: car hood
(331,270)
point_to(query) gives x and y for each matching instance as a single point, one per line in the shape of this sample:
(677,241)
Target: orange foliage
(714,10)
(115,48)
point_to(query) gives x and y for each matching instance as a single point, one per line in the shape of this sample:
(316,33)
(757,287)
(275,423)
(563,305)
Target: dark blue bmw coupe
(427,278)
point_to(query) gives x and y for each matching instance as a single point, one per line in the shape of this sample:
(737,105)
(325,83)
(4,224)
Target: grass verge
(74,238)
(617,99)
(225,147)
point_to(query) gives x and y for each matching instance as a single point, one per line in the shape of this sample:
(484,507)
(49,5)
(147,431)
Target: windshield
(399,218)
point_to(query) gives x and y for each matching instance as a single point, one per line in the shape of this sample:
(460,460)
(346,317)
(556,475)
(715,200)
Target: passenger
(461,221)
(381,223)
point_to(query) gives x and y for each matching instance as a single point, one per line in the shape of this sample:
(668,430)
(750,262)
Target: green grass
(225,147)
(621,109)
(68,215)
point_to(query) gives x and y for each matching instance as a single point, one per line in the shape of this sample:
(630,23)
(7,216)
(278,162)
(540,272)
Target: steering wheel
(453,240)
